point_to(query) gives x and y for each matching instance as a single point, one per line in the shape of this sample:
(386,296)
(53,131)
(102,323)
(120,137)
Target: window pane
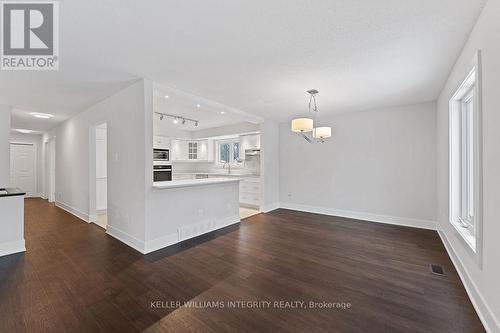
(224,152)
(236,151)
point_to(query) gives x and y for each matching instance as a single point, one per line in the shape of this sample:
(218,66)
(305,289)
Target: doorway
(23,167)
(101,177)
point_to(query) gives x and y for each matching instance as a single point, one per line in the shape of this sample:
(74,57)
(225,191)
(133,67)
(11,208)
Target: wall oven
(162,173)
(161,154)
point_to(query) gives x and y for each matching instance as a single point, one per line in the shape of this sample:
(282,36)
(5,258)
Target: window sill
(466,235)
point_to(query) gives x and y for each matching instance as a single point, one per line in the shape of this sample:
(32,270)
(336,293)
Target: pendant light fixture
(306,125)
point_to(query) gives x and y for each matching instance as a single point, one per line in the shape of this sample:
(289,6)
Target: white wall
(36,140)
(482,284)
(379,166)
(4,146)
(75,166)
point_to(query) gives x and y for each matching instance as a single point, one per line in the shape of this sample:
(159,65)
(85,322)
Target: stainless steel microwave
(161,155)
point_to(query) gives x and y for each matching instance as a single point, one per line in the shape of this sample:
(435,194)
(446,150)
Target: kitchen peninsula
(182,209)
(12,221)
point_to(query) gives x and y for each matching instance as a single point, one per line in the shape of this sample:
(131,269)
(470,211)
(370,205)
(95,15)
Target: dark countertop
(11,192)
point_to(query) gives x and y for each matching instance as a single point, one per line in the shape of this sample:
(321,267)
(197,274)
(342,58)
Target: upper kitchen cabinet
(161,142)
(206,150)
(249,142)
(179,150)
(193,150)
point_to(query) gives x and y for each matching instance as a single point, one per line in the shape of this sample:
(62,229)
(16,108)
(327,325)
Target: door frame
(93,168)
(51,176)
(36,193)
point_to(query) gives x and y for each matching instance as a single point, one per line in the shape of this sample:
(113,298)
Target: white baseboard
(403,221)
(81,215)
(161,242)
(490,322)
(12,247)
(126,238)
(174,238)
(270,207)
(227,222)
(92,218)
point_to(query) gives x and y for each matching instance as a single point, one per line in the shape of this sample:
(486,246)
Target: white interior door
(22,168)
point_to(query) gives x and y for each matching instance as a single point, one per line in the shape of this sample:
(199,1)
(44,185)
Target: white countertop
(218,174)
(193,182)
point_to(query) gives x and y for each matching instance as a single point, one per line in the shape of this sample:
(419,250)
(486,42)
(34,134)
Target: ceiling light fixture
(176,118)
(306,125)
(166,96)
(41,115)
(222,112)
(198,105)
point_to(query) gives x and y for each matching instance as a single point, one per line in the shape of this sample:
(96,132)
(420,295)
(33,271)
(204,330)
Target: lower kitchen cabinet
(250,192)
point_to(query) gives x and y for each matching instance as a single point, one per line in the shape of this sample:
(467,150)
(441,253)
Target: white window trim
(473,237)
(232,164)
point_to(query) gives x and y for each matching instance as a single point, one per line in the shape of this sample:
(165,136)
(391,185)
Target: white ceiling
(209,114)
(255,56)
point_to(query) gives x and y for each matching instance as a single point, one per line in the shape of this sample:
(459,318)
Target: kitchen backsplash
(251,165)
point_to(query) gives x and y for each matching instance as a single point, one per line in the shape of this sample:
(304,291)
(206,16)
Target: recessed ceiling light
(222,112)
(41,115)
(24,131)
(166,96)
(198,105)
(175,121)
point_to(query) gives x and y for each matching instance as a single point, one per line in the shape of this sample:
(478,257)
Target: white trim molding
(270,207)
(395,220)
(81,215)
(126,238)
(12,247)
(486,315)
(161,242)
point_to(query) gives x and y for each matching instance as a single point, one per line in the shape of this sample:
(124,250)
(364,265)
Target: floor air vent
(436,269)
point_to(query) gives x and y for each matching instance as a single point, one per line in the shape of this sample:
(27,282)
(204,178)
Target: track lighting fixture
(176,119)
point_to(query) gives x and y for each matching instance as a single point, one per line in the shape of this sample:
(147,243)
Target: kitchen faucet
(228,165)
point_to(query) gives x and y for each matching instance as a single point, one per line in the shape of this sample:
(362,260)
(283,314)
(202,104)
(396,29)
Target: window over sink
(228,151)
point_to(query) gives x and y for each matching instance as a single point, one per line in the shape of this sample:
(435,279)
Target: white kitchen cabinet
(161,142)
(193,154)
(206,150)
(251,141)
(179,150)
(192,150)
(250,192)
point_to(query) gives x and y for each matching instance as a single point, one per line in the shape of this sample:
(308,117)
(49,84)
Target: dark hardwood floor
(75,278)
